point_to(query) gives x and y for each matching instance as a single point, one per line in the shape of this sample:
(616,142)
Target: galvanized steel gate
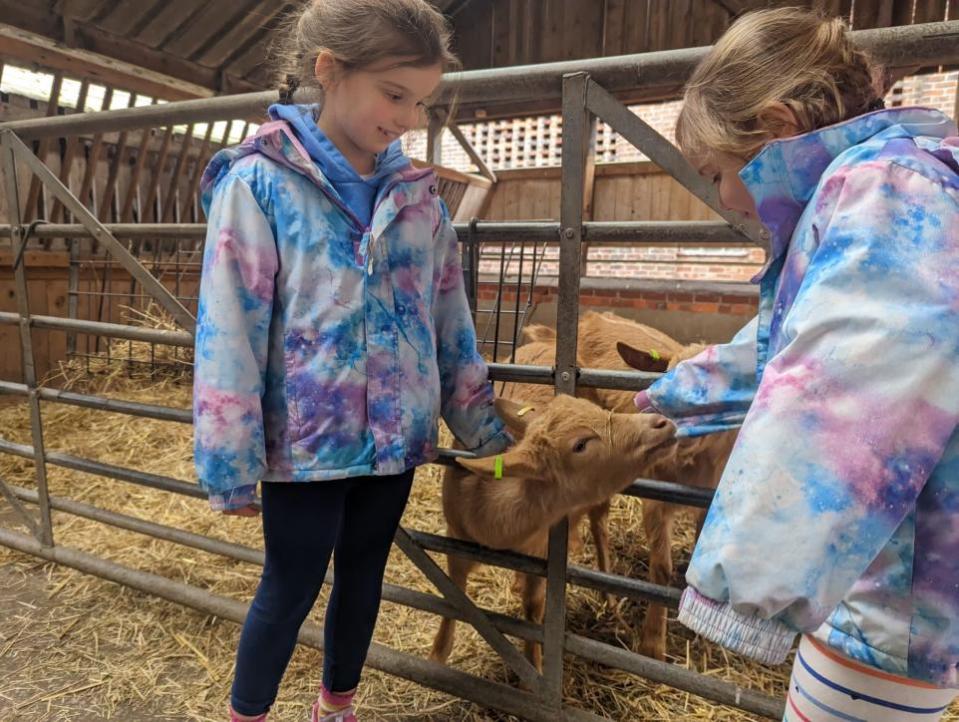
(585,89)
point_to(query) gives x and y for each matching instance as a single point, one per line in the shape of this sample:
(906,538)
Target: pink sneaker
(343,701)
(344,715)
(235,718)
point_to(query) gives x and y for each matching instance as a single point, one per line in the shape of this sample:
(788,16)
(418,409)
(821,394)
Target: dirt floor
(76,648)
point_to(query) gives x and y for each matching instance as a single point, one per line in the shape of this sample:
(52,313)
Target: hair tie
(289,87)
(877,104)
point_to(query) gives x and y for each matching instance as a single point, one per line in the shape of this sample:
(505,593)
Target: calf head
(577,452)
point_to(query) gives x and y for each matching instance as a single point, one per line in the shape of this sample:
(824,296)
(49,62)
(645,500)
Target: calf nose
(661,423)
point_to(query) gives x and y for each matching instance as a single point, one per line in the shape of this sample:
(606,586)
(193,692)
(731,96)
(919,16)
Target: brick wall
(536,142)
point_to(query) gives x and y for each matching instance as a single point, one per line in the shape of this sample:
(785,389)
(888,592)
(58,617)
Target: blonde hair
(360,33)
(791,56)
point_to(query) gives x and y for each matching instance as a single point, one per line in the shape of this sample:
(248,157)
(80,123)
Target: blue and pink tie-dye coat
(838,512)
(326,349)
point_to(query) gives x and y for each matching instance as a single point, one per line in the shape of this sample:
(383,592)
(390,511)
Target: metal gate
(585,88)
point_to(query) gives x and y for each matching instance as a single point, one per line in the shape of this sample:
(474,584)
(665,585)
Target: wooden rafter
(28,47)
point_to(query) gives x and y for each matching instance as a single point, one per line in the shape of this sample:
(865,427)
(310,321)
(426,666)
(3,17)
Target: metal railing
(584,87)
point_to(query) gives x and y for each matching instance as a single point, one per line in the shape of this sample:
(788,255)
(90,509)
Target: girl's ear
(779,120)
(325,69)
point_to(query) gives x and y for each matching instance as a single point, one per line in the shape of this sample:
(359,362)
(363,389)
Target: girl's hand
(248,510)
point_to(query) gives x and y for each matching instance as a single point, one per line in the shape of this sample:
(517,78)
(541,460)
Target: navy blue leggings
(303,525)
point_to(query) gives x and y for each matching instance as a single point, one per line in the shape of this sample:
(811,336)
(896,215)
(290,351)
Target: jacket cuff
(496,444)
(644,404)
(236,498)
(765,640)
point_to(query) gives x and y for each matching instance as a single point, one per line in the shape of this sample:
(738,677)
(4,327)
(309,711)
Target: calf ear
(516,414)
(514,463)
(642,360)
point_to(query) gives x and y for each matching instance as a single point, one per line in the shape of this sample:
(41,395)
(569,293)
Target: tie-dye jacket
(326,349)
(838,512)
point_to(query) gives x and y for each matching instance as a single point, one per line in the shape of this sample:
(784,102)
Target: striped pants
(825,686)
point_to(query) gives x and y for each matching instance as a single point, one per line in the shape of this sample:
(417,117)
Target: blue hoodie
(356,192)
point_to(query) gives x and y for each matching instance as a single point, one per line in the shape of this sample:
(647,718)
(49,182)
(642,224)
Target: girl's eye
(580,446)
(394,97)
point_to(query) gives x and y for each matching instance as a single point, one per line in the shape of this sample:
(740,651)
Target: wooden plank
(170,203)
(614,27)
(552,32)
(37,298)
(204,26)
(500,39)
(83,9)
(175,15)
(680,14)
(33,48)
(93,158)
(198,167)
(930,11)
(70,153)
(902,12)
(583,28)
(133,188)
(148,209)
(636,32)
(124,18)
(56,291)
(119,151)
(872,14)
(472,47)
(252,26)
(10,355)
(250,59)
(32,210)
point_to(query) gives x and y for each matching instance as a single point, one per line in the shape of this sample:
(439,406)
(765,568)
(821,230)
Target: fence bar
(693,233)
(98,468)
(578,576)
(101,234)
(429,674)
(675,676)
(18,244)
(667,156)
(101,328)
(647,76)
(399,595)
(670,492)
(479,621)
(89,401)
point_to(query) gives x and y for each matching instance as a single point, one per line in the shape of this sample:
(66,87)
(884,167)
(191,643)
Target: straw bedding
(74,647)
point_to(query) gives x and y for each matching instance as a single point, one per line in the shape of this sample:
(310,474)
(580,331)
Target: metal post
(434,140)
(575,118)
(18,244)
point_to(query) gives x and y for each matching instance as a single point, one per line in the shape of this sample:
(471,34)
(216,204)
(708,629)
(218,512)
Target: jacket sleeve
(466,392)
(235,307)
(711,391)
(850,418)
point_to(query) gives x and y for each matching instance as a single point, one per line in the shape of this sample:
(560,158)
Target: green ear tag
(655,354)
(498,467)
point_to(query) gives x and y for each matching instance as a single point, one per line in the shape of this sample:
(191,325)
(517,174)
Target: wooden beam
(736,7)
(238,38)
(28,47)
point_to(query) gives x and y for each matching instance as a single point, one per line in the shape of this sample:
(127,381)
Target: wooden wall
(497,33)
(637,191)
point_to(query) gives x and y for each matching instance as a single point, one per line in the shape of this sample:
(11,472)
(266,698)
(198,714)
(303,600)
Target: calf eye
(580,446)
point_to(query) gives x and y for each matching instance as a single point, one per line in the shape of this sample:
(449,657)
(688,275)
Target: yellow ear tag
(655,354)
(498,467)
(525,410)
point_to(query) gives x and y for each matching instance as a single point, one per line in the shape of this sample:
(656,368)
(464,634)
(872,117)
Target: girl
(333,330)
(838,512)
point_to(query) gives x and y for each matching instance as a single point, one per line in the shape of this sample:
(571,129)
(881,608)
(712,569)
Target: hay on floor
(88,649)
